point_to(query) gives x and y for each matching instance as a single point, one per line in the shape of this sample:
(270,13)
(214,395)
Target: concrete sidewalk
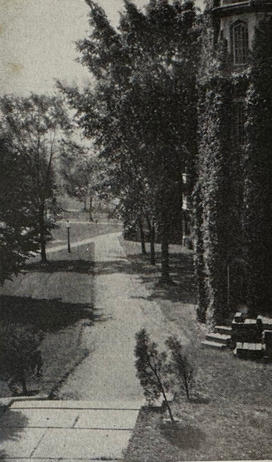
(125,306)
(67,430)
(88,430)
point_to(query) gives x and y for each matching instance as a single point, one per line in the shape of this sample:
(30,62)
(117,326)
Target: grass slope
(231,416)
(56,299)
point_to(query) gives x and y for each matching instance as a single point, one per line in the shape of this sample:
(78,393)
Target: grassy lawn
(232,415)
(57,300)
(81,228)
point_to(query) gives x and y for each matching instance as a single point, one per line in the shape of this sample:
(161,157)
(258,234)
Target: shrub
(20,357)
(153,370)
(182,366)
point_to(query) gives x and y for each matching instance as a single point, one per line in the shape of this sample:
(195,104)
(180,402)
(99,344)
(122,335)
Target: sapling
(153,370)
(20,356)
(181,365)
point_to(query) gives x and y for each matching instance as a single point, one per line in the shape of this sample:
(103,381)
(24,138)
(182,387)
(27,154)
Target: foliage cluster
(20,357)
(31,130)
(79,169)
(18,232)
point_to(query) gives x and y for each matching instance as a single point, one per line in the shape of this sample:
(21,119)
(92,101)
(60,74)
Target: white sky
(37,42)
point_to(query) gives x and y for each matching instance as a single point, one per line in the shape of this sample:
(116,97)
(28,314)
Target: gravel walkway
(122,307)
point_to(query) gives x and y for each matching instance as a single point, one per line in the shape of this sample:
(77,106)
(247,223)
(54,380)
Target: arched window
(239,39)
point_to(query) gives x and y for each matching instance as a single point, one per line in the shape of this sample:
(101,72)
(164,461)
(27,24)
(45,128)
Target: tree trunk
(152,245)
(91,208)
(85,204)
(23,383)
(164,259)
(142,236)
(151,227)
(42,234)
(168,407)
(187,391)
(165,275)
(161,387)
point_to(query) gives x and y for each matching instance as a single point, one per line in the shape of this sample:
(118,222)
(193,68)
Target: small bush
(153,369)
(181,365)
(20,357)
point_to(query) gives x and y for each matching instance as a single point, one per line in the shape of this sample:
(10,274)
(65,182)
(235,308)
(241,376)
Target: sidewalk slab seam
(72,443)
(37,445)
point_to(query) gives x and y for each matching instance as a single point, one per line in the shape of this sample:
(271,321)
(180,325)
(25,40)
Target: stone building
(235,21)
(234,216)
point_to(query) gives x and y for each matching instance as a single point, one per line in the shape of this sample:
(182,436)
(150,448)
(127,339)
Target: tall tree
(18,232)
(78,167)
(142,110)
(33,127)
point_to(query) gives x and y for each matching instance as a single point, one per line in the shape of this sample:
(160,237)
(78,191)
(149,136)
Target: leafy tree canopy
(32,128)
(141,111)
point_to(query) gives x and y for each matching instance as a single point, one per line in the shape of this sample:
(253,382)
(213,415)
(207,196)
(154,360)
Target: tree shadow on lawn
(70,266)
(183,436)
(182,274)
(45,315)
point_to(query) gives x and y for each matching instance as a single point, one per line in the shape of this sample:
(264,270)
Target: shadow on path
(181,267)
(3,455)
(12,424)
(114,266)
(70,266)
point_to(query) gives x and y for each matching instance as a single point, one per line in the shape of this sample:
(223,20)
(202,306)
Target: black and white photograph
(135,230)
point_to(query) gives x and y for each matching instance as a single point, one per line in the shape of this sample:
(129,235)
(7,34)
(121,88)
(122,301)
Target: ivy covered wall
(258,172)
(233,206)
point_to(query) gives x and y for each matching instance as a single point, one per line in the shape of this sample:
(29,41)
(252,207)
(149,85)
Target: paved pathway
(121,301)
(66,430)
(106,394)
